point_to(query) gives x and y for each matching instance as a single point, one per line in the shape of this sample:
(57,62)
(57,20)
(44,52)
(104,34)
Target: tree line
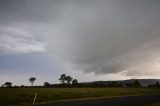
(64,79)
(68,81)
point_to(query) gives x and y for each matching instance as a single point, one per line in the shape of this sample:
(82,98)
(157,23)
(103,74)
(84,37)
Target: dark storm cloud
(92,36)
(110,37)
(29,11)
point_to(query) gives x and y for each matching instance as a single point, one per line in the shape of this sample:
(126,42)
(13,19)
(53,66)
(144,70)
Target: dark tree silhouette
(137,83)
(22,86)
(47,84)
(115,84)
(31,80)
(8,84)
(75,82)
(68,79)
(62,78)
(157,84)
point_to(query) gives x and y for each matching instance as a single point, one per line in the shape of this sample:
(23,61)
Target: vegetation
(69,89)
(8,84)
(75,82)
(156,85)
(24,96)
(68,79)
(46,84)
(32,79)
(63,78)
(134,84)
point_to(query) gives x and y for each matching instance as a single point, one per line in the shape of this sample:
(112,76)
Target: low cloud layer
(101,37)
(109,38)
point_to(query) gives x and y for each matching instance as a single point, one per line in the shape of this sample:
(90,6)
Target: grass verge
(24,96)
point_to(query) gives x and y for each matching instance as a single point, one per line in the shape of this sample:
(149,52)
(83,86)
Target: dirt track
(118,101)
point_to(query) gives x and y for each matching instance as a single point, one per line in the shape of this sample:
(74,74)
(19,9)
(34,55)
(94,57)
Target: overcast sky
(87,39)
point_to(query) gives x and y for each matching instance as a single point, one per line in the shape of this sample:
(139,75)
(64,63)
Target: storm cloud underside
(101,37)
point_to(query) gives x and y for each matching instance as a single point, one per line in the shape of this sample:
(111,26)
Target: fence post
(35,96)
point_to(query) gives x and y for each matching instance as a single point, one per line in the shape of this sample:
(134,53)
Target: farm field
(24,96)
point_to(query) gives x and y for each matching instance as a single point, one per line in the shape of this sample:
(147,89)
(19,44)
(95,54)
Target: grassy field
(24,96)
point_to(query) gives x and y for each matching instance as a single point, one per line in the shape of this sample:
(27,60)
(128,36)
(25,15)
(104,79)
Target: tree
(157,84)
(137,83)
(114,84)
(75,82)
(47,84)
(22,86)
(8,84)
(68,79)
(31,80)
(62,78)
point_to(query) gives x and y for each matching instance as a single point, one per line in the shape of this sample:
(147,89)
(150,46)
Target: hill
(143,82)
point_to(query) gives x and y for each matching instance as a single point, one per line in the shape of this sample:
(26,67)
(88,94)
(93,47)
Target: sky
(87,39)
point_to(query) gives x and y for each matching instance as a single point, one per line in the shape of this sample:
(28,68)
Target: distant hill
(143,82)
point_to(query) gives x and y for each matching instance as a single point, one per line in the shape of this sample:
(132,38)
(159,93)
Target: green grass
(154,104)
(24,96)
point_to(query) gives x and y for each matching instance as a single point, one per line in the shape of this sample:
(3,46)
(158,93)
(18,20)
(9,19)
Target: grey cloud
(97,39)
(29,11)
(97,36)
(14,40)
